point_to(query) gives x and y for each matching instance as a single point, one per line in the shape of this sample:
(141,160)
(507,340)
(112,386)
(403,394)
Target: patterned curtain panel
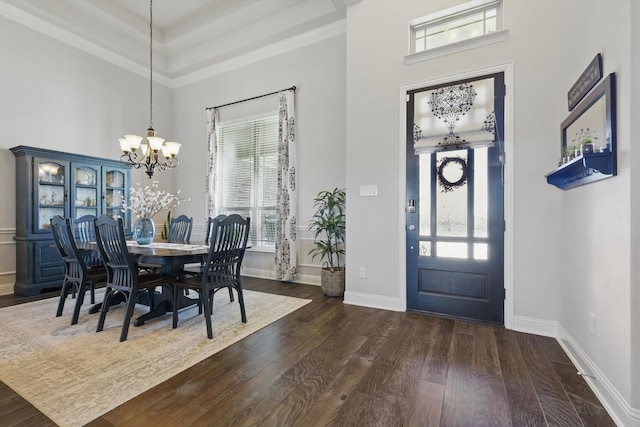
(287,196)
(212,126)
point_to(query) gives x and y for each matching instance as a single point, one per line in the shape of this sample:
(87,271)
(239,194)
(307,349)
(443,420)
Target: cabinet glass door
(51,192)
(85,190)
(115,193)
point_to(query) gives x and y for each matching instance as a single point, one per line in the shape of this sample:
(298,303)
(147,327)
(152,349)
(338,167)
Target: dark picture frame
(597,112)
(587,80)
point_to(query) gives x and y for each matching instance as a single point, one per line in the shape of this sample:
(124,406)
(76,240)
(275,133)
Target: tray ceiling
(191,38)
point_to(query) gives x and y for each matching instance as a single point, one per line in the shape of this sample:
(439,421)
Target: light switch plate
(368,190)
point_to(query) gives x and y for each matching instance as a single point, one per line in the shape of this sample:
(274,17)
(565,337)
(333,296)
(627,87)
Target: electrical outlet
(363,273)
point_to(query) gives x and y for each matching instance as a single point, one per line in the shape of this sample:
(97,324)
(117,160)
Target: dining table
(170,258)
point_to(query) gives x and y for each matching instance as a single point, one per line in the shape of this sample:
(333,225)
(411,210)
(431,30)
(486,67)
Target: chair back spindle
(180,229)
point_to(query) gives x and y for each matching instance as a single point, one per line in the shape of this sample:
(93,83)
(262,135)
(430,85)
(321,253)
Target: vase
(144,230)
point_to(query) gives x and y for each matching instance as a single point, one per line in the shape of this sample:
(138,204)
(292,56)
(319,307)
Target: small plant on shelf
(585,136)
(585,140)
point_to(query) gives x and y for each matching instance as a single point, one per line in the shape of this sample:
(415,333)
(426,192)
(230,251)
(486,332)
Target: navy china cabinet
(50,183)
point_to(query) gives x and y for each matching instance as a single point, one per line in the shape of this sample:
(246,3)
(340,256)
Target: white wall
(318,72)
(57,97)
(634,158)
(571,254)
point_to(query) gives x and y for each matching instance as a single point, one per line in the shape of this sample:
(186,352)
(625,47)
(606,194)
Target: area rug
(73,374)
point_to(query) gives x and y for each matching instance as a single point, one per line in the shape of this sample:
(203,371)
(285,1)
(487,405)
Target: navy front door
(455,199)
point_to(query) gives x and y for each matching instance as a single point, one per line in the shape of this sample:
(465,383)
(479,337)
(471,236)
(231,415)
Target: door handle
(412,227)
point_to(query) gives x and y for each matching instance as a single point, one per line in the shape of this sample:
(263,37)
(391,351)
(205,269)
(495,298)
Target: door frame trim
(507,69)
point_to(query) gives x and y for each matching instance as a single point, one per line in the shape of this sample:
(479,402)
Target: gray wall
(318,72)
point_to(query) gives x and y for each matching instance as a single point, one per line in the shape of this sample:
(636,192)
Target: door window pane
(424,249)
(452,250)
(480,192)
(451,205)
(425,195)
(481,251)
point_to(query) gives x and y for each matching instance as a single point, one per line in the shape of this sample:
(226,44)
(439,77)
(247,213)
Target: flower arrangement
(148,201)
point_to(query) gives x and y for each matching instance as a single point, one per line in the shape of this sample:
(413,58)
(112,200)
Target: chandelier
(139,153)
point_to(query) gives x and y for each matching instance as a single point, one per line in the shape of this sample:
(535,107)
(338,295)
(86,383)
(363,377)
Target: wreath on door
(451,173)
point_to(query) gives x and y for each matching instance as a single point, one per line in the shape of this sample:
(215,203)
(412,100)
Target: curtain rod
(293,88)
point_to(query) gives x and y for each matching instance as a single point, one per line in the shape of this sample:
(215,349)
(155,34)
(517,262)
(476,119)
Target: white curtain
(287,194)
(213,119)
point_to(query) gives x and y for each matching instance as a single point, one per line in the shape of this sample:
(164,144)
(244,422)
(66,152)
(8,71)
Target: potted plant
(328,223)
(585,139)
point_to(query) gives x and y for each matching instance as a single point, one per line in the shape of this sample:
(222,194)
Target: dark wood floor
(339,365)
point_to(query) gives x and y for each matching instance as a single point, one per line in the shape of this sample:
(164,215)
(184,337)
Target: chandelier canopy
(139,153)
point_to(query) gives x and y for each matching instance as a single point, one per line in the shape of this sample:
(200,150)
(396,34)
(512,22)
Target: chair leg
(93,293)
(243,313)
(231,294)
(105,308)
(79,301)
(176,296)
(131,302)
(63,296)
(206,301)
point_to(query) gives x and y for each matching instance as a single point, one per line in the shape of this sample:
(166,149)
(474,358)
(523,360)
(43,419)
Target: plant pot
(587,148)
(332,282)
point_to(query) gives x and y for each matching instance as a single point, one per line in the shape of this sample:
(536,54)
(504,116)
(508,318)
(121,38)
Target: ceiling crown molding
(190,44)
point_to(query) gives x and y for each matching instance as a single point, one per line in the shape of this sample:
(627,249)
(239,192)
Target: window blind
(246,174)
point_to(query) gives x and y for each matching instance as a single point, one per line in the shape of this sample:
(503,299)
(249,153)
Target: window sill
(262,249)
(484,40)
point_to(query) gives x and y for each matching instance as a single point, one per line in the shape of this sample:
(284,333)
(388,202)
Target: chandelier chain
(154,153)
(151,64)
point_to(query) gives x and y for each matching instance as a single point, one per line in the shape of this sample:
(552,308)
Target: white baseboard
(6,288)
(372,301)
(619,409)
(305,279)
(535,326)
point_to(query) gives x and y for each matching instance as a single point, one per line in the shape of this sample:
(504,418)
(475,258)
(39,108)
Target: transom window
(471,20)
(246,174)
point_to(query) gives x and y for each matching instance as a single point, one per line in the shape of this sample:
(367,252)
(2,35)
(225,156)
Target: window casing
(246,174)
(473,21)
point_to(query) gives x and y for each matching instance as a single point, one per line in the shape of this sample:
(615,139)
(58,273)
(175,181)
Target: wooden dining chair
(84,231)
(195,269)
(122,272)
(180,229)
(78,278)
(210,223)
(228,242)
